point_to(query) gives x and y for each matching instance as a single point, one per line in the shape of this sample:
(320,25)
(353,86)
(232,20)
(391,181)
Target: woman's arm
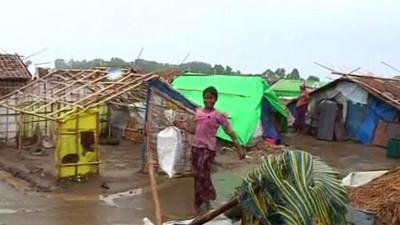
(241,152)
(190,128)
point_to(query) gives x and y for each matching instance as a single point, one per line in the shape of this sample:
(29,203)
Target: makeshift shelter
(66,106)
(287,89)
(163,106)
(127,116)
(252,106)
(13,73)
(366,105)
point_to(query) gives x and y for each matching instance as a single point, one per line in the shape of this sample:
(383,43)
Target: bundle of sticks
(381,196)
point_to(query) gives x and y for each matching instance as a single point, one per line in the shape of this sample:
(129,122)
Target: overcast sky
(250,36)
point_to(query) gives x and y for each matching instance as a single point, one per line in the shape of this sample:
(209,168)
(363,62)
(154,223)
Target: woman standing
(204,146)
(301,109)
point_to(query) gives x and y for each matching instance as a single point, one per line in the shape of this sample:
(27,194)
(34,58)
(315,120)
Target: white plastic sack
(170,150)
(356,179)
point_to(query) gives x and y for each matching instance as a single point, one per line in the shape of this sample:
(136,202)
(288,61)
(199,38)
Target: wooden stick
(150,164)
(174,101)
(216,212)
(154,191)
(70,85)
(30,84)
(135,83)
(58,90)
(108,97)
(100,93)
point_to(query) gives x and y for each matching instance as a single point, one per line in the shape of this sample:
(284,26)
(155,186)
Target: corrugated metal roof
(12,67)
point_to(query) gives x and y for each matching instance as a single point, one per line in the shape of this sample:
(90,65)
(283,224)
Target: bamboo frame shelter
(65,104)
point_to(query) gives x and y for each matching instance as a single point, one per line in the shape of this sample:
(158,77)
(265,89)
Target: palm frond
(293,188)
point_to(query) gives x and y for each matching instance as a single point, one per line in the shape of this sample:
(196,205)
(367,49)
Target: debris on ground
(105,186)
(381,196)
(293,188)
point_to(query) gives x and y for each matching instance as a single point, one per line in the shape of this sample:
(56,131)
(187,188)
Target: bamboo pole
(77,144)
(214,213)
(98,93)
(109,97)
(46,98)
(81,164)
(70,85)
(150,164)
(97,137)
(59,142)
(30,84)
(27,112)
(174,101)
(20,130)
(154,191)
(58,90)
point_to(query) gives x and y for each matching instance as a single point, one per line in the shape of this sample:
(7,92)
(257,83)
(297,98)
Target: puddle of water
(8,211)
(110,199)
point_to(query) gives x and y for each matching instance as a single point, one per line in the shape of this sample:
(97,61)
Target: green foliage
(148,66)
(313,78)
(280,72)
(294,75)
(293,188)
(145,65)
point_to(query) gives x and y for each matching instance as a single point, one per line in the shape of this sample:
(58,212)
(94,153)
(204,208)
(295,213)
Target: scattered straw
(381,196)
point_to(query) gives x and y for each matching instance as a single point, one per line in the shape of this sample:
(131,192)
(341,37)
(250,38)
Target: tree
(144,65)
(219,69)
(60,64)
(294,75)
(313,78)
(228,70)
(280,72)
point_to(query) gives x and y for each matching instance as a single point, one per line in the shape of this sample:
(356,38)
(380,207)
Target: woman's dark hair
(211,90)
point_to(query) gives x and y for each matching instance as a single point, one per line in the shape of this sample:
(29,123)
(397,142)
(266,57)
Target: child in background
(207,122)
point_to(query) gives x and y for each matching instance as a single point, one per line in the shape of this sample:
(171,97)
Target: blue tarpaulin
(356,114)
(377,110)
(268,122)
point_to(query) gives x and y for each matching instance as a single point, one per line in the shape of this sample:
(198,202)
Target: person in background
(301,109)
(204,146)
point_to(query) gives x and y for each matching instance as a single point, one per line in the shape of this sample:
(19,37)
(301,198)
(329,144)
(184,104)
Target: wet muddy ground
(128,199)
(345,156)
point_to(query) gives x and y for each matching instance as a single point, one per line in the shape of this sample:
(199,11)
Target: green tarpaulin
(239,96)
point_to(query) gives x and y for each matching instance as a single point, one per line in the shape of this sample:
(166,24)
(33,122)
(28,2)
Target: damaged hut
(254,109)
(64,109)
(364,108)
(13,73)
